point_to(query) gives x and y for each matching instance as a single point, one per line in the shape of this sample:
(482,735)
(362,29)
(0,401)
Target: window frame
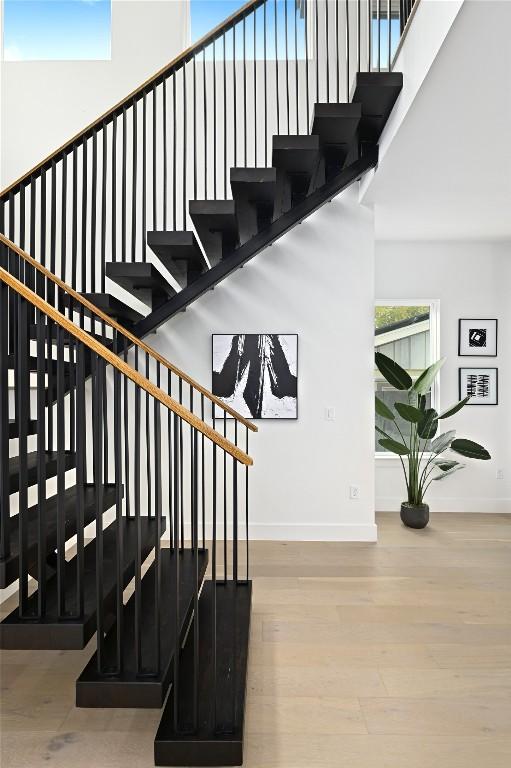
(434,350)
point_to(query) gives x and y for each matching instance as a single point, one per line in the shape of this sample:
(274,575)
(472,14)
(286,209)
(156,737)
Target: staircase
(106,446)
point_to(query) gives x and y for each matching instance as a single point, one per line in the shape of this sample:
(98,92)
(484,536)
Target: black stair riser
(51,467)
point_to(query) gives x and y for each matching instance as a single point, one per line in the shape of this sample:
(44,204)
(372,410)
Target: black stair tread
(210,745)
(114,307)
(50,461)
(142,279)
(126,689)
(69,633)
(256,185)
(295,153)
(103,339)
(179,252)
(216,225)
(9,567)
(14,431)
(336,123)
(377,92)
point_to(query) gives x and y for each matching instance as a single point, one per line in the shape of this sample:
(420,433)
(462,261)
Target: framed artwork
(482,384)
(477,338)
(256,374)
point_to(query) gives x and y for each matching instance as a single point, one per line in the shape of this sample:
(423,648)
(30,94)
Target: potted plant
(421,452)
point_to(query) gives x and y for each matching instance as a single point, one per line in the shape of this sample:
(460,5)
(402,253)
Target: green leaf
(443,441)
(470,449)
(394,447)
(445,464)
(423,383)
(383,410)
(428,425)
(408,412)
(448,472)
(422,402)
(392,372)
(454,408)
(381,432)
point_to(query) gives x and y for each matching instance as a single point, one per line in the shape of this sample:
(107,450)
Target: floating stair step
(180,254)
(142,279)
(253,190)
(103,339)
(336,123)
(14,431)
(212,743)
(114,308)
(377,93)
(216,226)
(128,689)
(50,462)
(49,365)
(296,154)
(9,567)
(74,633)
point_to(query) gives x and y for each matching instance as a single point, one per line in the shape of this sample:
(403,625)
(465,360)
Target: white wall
(316,281)
(471,280)
(44,103)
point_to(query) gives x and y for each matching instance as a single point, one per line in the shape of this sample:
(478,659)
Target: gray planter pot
(414,515)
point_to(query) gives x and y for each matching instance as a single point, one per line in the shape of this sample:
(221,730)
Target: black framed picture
(477,338)
(481,384)
(256,374)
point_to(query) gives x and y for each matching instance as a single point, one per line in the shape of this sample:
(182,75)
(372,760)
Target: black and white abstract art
(477,338)
(256,374)
(480,384)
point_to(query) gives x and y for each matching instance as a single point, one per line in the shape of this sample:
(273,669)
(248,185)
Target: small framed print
(480,384)
(477,338)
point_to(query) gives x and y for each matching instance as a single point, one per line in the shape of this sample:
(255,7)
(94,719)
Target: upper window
(405,331)
(46,30)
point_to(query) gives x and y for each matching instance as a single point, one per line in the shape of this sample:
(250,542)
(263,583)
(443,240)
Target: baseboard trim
(451,504)
(277,532)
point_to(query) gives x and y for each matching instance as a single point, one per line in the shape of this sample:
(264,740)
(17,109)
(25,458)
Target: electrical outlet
(330,414)
(500,474)
(354,491)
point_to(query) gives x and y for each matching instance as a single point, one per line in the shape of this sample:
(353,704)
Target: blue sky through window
(38,30)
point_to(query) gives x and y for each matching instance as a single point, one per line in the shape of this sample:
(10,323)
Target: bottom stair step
(68,633)
(215,742)
(129,689)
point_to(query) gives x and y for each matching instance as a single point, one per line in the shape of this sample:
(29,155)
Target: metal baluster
(205,123)
(158,530)
(196,584)
(147,435)
(123,184)
(4,411)
(307,99)
(347,53)
(94,188)
(97,410)
(296,69)
(177,618)
(104,145)
(327,49)
(255,87)
(155,105)
(203,480)
(61,468)
(74,219)
(114,188)
(265,88)
(53,230)
(194,158)
(214,119)
(118,513)
(369,36)
(378,22)
(244,91)
(234,110)
(287,66)
(317,52)
(181,500)
(143,228)
(246,501)
(389,20)
(224,126)
(81,470)
(213,584)
(138,524)
(126,436)
(277,94)
(134,184)
(164,110)
(185,157)
(83,274)
(22,394)
(358,35)
(225,500)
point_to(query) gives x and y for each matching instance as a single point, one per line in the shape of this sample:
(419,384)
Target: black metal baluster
(81,470)
(194,158)
(138,524)
(143,228)
(306,32)
(203,480)
(94,188)
(181,500)
(224,125)
(147,436)
(155,106)
(196,584)
(114,188)
(74,219)
(126,436)
(327,49)
(164,110)
(171,458)
(205,118)
(214,119)
(347,53)
(317,51)
(389,18)
(53,231)
(104,146)
(369,36)
(83,274)
(265,87)
(174,153)
(358,35)
(246,502)
(287,66)
(158,531)
(214,586)
(244,91)
(123,183)
(225,500)
(177,618)
(134,185)
(255,87)
(4,410)
(22,394)
(97,409)
(61,468)
(185,157)
(63,224)
(378,22)
(118,514)
(277,94)
(296,69)
(234,110)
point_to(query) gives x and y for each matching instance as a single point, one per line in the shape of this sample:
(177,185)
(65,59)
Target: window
(46,30)
(406,331)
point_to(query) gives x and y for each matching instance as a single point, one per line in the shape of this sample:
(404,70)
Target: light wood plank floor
(390,655)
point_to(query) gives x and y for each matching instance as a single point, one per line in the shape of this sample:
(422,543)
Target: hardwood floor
(388,655)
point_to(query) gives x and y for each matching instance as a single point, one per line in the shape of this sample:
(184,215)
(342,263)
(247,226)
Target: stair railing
(136,449)
(175,138)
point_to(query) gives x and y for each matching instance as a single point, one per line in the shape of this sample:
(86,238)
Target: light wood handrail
(134,339)
(124,368)
(137,92)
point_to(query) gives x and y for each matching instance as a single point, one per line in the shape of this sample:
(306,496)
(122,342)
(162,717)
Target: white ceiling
(447,173)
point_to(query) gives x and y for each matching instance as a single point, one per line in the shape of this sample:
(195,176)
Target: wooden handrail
(124,368)
(134,339)
(178,61)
